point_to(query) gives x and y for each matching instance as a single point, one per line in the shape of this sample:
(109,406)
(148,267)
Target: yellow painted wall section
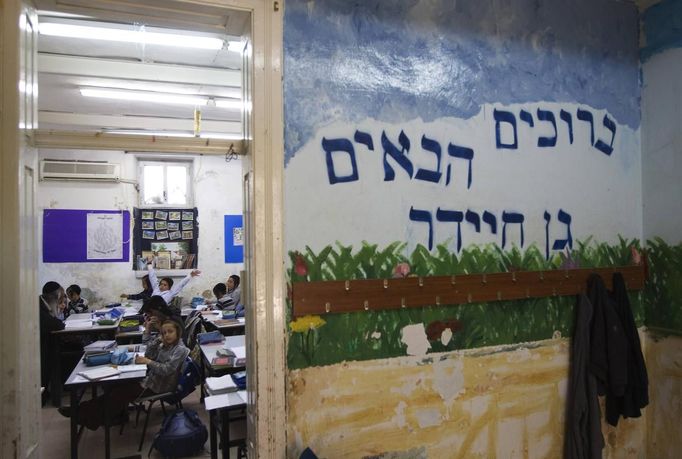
(664,364)
(505,402)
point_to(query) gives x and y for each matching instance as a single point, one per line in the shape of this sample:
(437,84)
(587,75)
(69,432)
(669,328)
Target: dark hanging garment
(583,439)
(636,394)
(608,345)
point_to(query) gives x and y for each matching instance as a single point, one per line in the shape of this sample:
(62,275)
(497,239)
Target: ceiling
(67,65)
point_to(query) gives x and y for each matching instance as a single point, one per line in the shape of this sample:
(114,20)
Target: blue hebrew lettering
(507,117)
(474,219)
(511,217)
(584,115)
(423,216)
(425,174)
(548,218)
(397,155)
(559,244)
(454,216)
(601,146)
(364,138)
(345,145)
(491,220)
(527,117)
(546,115)
(460,152)
(566,116)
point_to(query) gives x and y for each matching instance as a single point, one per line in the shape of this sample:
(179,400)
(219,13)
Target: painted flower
(300,266)
(567,261)
(636,255)
(435,329)
(306,323)
(401,270)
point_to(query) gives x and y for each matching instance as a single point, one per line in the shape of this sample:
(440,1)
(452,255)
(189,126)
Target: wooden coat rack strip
(324,297)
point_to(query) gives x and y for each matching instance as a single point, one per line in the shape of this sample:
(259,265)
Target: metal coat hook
(469,297)
(542,276)
(566,274)
(484,279)
(453,281)
(366,305)
(421,281)
(402,302)
(347,285)
(437,300)
(327,307)
(553,291)
(385,283)
(527,293)
(499,295)
(513,276)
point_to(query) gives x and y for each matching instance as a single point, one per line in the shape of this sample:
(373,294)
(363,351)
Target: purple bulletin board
(65,236)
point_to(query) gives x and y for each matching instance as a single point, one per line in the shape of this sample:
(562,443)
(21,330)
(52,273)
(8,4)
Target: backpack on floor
(182,434)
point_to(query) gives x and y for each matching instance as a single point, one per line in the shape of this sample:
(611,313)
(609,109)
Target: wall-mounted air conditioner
(54,169)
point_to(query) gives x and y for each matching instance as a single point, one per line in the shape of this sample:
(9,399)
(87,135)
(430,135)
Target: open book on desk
(99,373)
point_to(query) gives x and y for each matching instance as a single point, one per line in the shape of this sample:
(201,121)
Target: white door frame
(265,260)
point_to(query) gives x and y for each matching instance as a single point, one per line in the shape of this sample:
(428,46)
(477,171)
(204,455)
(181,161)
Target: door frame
(266,289)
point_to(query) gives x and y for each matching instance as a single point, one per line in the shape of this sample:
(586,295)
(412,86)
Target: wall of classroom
(217,192)
(456,138)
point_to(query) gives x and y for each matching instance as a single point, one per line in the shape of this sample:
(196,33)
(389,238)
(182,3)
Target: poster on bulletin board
(234,239)
(77,236)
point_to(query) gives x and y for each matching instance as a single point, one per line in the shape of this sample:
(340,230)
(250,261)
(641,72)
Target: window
(165,184)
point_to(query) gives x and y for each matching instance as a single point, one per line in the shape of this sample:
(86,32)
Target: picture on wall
(187,226)
(147,225)
(147,215)
(173,226)
(163,260)
(165,234)
(160,225)
(187,235)
(175,234)
(161,235)
(148,234)
(161,215)
(188,215)
(173,215)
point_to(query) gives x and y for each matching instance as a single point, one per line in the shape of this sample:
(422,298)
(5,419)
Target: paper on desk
(132,367)
(78,324)
(239,352)
(223,401)
(80,316)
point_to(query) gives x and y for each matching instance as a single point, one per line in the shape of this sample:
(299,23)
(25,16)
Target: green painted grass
(377,334)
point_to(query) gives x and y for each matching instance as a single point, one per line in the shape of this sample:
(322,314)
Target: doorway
(264,286)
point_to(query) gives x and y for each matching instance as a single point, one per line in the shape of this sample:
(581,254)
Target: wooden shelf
(325,297)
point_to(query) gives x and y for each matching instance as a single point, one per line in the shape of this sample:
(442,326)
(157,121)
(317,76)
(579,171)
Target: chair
(187,382)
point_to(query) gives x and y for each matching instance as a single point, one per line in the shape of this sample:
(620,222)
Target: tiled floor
(55,434)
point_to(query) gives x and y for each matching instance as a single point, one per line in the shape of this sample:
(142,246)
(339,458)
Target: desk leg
(202,370)
(56,376)
(74,424)
(107,440)
(212,426)
(225,433)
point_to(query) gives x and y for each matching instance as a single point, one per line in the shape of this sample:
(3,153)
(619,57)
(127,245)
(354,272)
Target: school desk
(224,410)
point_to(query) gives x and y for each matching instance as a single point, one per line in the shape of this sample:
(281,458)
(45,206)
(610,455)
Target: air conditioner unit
(54,169)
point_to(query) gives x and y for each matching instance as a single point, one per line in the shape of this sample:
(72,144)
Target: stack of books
(99,346)
(221,385)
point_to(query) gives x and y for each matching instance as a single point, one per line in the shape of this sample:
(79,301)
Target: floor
(55,434)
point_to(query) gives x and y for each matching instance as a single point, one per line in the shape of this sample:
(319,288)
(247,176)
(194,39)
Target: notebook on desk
(99,373)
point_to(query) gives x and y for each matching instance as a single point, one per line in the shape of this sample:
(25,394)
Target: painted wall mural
(432,138)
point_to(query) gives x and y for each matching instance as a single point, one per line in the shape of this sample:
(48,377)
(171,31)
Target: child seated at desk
(223,300)
(77,304)
(164,357)
(146,293)
(156,311)
(165,288)
(51,305)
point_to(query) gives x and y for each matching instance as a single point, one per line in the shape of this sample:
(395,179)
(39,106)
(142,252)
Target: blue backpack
(182,434)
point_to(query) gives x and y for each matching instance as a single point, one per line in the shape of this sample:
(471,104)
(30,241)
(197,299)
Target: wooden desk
(76,384)
(221,409)
(227,327)
(106,332)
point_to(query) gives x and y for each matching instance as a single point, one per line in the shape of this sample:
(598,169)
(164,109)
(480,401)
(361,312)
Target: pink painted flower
(636,255)
(300,266)
(568,262)
(401,270)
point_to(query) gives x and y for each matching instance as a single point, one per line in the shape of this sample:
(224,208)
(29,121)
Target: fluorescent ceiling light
(220,135)
(129,36)
(156,97)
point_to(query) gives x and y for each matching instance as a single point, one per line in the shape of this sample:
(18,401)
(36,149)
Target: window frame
(187,163)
